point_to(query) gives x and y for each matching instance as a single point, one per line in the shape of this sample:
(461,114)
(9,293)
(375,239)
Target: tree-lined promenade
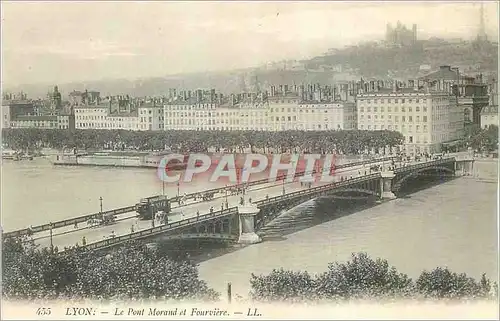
(342,141)
(134,272)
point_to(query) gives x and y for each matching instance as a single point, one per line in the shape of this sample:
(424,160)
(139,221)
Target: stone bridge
(241,223)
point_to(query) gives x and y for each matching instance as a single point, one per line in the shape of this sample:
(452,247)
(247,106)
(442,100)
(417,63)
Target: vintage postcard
(249,160)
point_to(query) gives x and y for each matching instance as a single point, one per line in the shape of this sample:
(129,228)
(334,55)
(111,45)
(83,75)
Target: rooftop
(490,110)
(35,118)
(123,114)
(387,91)
(15,102)
(151,104)
(445,73)
(92,106)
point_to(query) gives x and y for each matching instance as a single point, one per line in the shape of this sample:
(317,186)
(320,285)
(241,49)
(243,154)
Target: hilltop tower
(481,36)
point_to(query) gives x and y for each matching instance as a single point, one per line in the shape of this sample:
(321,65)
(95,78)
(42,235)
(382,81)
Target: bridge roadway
(123,226)
(125,212)
(68,227)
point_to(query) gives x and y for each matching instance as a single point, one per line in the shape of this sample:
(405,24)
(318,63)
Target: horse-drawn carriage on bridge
(206,196)
(148,207)
(161,218)
(103,219)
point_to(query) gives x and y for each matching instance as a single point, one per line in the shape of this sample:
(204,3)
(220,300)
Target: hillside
(364,60)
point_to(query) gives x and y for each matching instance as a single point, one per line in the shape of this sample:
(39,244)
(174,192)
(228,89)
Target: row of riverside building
(429,112)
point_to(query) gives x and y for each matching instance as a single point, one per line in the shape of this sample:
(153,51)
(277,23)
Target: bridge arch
(206,236)
(354,190)
(399,182)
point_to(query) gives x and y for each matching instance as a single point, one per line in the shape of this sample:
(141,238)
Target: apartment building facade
(117,115)
(426,119)
(275,111)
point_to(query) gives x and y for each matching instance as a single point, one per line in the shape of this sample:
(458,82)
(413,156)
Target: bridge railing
(317,189)
(241,185)
(122,210)
(368,161)
(234,210)
(128,209)
(70,221)
(297,174)
(219,214)
(158,229)
(426,164)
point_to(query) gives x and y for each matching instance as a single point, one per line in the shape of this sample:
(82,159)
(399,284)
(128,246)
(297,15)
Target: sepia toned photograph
(249,160)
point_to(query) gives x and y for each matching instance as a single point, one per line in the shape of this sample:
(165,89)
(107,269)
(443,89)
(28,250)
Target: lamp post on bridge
(51,243)
(100,201)
(283,184)
(178,189)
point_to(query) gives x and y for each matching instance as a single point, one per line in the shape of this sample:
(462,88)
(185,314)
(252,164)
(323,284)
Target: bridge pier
(247,213)
(386,185)
(464,166)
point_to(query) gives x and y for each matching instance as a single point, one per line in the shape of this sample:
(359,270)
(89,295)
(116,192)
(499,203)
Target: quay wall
(125,161)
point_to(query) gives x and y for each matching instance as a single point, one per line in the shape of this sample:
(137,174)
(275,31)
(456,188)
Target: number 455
(43,311)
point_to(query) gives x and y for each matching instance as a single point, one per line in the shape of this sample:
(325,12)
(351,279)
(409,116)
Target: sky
(57,42)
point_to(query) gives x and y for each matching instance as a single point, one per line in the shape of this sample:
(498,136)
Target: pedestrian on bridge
(76,225)
(227,205)
(197,214)
(222,207)
(211,209)
(84,241)
(132,229)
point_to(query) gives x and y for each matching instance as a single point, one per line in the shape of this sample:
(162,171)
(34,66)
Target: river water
(453,224)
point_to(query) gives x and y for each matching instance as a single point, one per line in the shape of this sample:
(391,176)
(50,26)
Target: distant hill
(365,60)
